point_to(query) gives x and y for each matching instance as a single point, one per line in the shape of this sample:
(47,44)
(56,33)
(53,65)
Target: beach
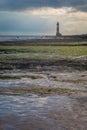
(43,87)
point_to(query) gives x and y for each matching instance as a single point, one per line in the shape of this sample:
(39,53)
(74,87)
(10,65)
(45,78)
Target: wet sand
(43,113)
(57,110)
(43,94)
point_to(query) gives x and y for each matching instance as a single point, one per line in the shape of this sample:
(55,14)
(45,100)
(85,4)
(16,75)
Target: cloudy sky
(39,17)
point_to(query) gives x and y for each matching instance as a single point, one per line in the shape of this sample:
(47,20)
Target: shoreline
(46,42)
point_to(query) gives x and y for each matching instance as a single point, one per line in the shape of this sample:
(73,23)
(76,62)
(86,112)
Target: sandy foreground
(54,100)
(43,94)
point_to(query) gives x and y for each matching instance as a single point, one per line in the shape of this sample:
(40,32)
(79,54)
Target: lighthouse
(57,30)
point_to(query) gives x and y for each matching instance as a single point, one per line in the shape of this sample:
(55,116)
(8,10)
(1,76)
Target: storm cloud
(20,5)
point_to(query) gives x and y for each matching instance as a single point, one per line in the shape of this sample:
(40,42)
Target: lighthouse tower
(57,30)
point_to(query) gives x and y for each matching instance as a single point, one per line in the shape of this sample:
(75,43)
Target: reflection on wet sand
(34,113)
(54,111)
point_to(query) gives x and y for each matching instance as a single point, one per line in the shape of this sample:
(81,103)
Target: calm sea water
(12,38)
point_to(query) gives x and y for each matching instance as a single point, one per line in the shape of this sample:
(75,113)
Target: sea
(23,37)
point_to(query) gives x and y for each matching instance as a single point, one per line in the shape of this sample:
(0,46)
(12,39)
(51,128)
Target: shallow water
(28,105)
(54,112)
(73,81)
(30,108)
(42,113)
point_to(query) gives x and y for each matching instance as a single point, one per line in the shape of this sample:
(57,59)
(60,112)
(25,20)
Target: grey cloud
(18,5)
